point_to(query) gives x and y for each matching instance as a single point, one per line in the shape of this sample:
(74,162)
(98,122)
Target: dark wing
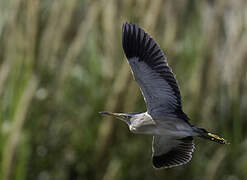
(151,71)
(169,152)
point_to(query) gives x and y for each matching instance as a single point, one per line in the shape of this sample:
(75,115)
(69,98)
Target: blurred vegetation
(61,62)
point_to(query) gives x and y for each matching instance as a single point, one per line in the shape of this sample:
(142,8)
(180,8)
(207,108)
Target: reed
(61,62)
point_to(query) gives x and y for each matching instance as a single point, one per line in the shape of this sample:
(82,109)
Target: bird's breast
(143,126)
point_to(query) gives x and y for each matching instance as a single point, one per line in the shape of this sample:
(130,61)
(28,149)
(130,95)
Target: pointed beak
(120,116)
(115,115)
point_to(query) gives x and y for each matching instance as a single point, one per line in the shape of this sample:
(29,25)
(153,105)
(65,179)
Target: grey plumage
(165,119)
(152,73)
(180,152)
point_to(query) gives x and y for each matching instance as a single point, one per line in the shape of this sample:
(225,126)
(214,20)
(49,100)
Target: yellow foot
(218,139)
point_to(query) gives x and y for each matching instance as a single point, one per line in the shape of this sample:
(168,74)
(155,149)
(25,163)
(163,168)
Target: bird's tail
(210,136)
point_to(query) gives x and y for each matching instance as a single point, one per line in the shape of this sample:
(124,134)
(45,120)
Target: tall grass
(61,62)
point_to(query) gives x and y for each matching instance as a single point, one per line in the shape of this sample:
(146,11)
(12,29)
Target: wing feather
(168,152)
(151,71)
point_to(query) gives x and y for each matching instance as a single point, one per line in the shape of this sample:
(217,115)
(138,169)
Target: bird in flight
(164,119)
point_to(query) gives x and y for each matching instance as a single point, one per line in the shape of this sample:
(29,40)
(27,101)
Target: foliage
(62,62)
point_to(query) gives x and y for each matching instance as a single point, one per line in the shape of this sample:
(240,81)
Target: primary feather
(152,73)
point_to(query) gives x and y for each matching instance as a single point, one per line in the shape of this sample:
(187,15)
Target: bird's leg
(215,138)
(210,136)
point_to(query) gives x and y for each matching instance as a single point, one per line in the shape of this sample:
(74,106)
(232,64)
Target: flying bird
(164,119)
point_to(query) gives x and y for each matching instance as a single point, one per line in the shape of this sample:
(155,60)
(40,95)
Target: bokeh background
(61,62)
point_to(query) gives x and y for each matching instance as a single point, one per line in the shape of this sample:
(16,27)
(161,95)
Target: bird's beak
(120,116)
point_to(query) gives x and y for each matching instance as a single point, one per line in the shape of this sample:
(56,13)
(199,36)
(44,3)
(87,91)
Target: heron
(164,119)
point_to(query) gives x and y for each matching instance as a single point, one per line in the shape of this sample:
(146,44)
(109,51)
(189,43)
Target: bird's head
(122,116)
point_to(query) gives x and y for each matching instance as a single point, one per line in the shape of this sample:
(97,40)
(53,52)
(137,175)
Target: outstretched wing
(169,152)
(151,71)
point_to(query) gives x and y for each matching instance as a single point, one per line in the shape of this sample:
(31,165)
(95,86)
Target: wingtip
(158,167)
(123,26)
(130,42)
(126,25)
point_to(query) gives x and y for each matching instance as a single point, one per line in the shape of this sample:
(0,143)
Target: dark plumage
(181,154)
(165,120)
(139,46)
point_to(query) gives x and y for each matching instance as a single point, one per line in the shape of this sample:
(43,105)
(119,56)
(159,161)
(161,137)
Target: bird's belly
(168,127)
(174,132)
(174,127)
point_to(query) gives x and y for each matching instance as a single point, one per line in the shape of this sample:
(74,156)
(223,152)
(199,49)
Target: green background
(61,62)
